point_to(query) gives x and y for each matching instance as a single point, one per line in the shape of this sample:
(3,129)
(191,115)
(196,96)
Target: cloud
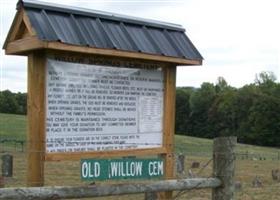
(14,73)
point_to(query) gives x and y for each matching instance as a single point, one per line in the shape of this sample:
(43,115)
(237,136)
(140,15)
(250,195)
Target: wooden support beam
(36,118)
(121,53)
(169,125)
(63,192)
(24,45)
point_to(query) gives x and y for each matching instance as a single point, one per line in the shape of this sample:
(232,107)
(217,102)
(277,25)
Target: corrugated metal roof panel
(163,43)
(98,14)
(185,45)
(117,35)
(73,28)
(91,35)
(137,33)
(63,27)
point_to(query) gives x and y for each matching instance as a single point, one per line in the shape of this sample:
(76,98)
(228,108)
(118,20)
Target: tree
(266,82)
(21,99)
(264,77)
(221,85)
(244,100)
(8,103)
(264,119)
(182,110)
(200,102)
(223,113)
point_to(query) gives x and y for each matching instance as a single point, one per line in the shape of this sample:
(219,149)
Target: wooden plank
(36,119)
(119,53)
(103,154)
(25,34)
(63,192)
(23,46)
(169,125)
(224,167)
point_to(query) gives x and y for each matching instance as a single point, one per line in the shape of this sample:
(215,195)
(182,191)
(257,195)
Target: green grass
(13,126)
(203,147)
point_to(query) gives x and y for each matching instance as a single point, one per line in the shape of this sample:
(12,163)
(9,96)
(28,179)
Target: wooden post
(169,125)
(36,119)
(224,167)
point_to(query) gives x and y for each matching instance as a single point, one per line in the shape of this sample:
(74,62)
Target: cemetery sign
(122,104)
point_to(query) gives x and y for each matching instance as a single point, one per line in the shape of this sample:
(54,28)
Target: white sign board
(98,108)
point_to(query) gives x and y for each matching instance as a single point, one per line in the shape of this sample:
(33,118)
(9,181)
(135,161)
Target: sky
(237,38)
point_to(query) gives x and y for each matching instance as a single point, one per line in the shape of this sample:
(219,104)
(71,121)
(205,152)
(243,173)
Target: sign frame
(37,115)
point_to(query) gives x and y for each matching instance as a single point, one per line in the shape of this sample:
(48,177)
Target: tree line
(13,103)
(252,112)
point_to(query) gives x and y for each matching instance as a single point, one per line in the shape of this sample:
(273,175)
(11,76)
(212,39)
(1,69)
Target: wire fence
(257,171)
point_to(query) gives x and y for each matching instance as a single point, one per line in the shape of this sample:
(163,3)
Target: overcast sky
(237,38)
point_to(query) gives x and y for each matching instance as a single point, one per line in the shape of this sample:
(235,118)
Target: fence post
(224,167)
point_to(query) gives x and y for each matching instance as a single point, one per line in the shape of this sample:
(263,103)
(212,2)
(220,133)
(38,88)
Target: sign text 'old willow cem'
(100,85)
(111,169)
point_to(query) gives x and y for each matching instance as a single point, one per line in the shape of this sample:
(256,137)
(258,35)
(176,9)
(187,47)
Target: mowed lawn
(260,162)
(13,126)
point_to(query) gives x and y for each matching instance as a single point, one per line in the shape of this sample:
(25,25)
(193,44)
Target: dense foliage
(252,113)
(14,103)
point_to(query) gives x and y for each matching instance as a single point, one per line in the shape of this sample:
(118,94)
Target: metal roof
(98,29)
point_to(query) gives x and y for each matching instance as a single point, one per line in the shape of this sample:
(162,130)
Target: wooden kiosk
(129,58)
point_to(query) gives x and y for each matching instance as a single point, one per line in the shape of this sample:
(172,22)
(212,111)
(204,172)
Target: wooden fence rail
(44,193)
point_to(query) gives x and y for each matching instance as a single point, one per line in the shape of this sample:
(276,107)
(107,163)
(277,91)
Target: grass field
(195,149)
(13,126)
